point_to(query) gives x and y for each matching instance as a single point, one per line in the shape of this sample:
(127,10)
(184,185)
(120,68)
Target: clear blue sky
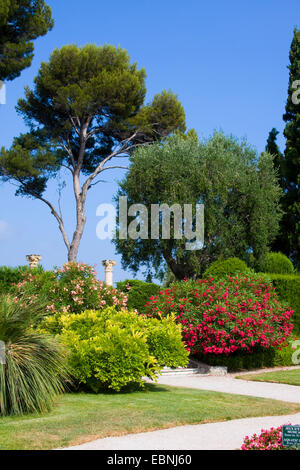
(227,61)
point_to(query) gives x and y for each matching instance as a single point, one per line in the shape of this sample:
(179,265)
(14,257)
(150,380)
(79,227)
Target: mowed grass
(290,377)
(79,418)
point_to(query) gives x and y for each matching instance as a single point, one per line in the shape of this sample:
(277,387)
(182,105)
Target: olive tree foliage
(85,112)
(239,190)
(21,21)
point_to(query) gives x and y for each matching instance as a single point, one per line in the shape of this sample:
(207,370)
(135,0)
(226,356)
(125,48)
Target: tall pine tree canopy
(21,21)
(86,108)
(288,240)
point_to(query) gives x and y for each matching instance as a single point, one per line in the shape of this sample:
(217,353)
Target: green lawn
(79,418)
(291,377)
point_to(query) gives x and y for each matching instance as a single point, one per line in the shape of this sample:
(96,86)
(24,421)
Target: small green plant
(278,263)
(34,371)
(111,349)
(229,267)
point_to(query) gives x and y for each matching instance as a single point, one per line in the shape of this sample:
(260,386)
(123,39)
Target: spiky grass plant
(34,371)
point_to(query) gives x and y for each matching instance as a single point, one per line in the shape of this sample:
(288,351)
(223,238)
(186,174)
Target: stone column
(33,260)
(109,266)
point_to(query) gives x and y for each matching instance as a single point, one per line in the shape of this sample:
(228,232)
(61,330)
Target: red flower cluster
(237,314)
(270,439)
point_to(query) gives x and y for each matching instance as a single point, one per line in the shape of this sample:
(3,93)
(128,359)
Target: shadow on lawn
(129,389)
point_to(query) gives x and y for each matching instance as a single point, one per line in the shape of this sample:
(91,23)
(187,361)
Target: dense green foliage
(34,372)
(239,191)
(222,268)
(21,21)
(110,349)
(259,359)
(138,292)
(86,107)
(277,263)
(288,241)
(273,149)
(10,276)
(288,289)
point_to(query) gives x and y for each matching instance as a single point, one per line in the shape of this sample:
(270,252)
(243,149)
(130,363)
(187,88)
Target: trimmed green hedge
(288,289)
(139,292)
(228,267)
(9,276)
(277,263)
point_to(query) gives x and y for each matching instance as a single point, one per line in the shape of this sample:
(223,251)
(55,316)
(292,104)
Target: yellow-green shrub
(110,349)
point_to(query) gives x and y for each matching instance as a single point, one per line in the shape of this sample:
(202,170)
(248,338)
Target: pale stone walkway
(229,384)
(227,435)
(212,436)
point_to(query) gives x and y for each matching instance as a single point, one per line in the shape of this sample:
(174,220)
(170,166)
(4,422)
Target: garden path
(226,435)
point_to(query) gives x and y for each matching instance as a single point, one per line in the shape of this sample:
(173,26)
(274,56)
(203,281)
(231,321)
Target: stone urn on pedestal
(33,260)
(109,266)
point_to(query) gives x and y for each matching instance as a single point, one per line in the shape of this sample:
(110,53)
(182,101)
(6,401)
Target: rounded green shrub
(138,292)
(111,349)
(228,267)
(277,263)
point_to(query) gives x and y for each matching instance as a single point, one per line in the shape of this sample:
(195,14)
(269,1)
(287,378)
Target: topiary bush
(72,288)
(138,292)
(228,267)
(235,315)
(277,263)
(111,349)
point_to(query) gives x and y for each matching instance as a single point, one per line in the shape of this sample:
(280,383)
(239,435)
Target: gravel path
(212,436)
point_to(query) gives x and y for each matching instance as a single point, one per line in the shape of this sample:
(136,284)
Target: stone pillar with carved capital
(109,266)
(33,260)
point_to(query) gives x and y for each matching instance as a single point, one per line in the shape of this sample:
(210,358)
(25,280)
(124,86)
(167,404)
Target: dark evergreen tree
(288,240)
(21,21)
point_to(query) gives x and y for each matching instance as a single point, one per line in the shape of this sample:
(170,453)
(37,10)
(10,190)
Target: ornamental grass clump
(237,314)
(32,366)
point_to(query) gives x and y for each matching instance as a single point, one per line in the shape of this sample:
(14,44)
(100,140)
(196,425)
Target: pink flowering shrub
(270,439)
(72,288)
(238,314)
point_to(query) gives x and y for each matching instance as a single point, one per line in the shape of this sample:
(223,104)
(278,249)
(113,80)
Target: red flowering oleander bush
(238,314)
(268,439)
(71,289)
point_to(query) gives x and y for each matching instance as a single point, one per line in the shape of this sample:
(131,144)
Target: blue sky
(227,61)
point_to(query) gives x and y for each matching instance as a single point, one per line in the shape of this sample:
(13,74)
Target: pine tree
(21,21)
(288,240)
